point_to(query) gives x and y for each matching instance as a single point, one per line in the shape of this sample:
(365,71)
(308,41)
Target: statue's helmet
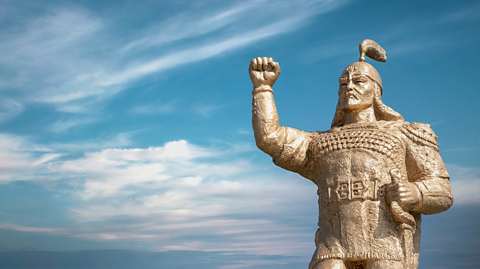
(371,49)
(366,69)
(382,112)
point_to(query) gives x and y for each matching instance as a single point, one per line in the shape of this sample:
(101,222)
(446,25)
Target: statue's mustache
(351,91)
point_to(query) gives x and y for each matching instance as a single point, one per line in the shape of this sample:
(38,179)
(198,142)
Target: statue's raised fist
(263,71)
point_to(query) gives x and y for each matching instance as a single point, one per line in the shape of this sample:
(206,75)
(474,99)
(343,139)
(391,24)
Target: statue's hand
(406,194)
(263,71)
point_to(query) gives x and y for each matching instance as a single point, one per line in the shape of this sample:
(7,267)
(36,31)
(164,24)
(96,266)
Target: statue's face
(356,90)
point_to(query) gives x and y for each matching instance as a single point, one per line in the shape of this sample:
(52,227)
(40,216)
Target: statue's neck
(363,116)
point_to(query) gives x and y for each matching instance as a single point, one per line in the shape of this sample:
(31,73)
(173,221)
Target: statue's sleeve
(426,169)
(287,146)
(290,151)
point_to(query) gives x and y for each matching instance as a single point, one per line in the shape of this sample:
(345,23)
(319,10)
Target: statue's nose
(350,85)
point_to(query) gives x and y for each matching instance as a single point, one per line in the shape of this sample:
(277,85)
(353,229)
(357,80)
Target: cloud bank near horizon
(182,196)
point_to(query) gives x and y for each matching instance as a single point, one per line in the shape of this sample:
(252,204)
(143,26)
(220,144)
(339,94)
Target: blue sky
(125,126)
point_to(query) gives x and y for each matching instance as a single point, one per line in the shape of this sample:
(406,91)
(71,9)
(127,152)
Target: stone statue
(376,173)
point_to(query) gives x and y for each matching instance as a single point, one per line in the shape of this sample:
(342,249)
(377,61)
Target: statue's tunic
(351,166)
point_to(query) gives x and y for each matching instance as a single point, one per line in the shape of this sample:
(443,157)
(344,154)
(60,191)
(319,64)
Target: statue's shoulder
(317,133)
(420,133)
(392,125)
(377,125)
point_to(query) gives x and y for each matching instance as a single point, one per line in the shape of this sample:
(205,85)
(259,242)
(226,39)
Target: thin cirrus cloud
(162,108)
(9,109)
(418,33)
(92,144)
(241,37)
(64,125)
(410,35)
(206,110)
(465,183)
(185,25)
(65,56)
(21,160)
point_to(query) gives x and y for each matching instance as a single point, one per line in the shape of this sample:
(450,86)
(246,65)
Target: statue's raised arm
(287,146)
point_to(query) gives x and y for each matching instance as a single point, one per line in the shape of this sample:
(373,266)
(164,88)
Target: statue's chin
(353,105)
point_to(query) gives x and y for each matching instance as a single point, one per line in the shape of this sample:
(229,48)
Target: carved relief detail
(369,139)
(348,190)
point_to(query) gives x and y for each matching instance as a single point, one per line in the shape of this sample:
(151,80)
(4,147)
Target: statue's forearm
(436,195)
(265,121)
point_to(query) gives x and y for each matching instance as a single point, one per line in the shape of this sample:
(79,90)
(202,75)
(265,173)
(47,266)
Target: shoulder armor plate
(420,133)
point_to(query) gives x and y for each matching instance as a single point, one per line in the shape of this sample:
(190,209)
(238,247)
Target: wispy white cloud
(245,132)
(73,59)
(120,140)
(334,48)
(187,25)
(422,33)
(459,149)
(162,108)
(469,13)
(415,33)
(66,59)
(206,110)
(9,109)
(21,160)
(32,229)
(45,53)
(216,47)
(465,183)
(63,125)
(408,45)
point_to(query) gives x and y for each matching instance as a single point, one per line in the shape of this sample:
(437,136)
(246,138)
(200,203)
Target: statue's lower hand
(406,194)
(263,71)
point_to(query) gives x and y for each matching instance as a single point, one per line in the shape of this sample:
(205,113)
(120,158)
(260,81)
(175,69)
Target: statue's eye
(358,81)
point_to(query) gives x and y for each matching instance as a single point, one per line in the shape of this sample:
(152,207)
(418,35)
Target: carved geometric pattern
(358,189)
(369,139)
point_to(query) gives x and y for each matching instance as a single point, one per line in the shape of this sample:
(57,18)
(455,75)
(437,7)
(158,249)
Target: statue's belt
(352,189)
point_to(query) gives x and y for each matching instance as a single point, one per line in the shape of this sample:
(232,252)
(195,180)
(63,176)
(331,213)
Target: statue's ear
(339,117)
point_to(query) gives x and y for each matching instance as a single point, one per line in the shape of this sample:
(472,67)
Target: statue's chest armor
(356,164)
